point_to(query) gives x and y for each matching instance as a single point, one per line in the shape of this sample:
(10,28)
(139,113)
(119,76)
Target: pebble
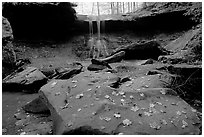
(57,94)
(142,94)
(159,103)
(194,110)
(107,96)
(79,109)
(78,96)
(74,81)
(127,85)
(162,111)
(93,113)
(74,86)
(121,92)
(65,106)
(69,124)
(146,86)
(98,86)
(131,97)
(138,89)
(23,133)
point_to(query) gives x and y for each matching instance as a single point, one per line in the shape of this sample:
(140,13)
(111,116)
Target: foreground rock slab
(86,104)
(29,79)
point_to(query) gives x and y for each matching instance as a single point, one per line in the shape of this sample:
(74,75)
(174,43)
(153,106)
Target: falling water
(98,46)
(98,22)
(90,28)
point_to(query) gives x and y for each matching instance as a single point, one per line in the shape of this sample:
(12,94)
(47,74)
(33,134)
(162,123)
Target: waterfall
(97,45)
(98,22)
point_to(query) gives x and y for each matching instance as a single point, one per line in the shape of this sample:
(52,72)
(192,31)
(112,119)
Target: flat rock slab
(95,67)
(29,79)
(87,104)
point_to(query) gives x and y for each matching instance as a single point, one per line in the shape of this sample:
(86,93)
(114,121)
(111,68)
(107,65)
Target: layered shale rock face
(40,21)
(89,104)
(29,79)
(8,54)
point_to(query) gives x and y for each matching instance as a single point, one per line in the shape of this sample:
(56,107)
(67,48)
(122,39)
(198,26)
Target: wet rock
(144,62)
(143,50)
(36,107)
(87,100)
(8,54)
(30,79)
(116,57)
(153,72)
(99,62)
(67,72)
(95,67)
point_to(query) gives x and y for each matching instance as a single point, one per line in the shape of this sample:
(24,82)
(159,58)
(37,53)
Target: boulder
(100,62)
(8,54)
(66,72)
(117,57)
(36,106)
(98,65)
(95,67)
(30,79)
(142,50)
(86,104)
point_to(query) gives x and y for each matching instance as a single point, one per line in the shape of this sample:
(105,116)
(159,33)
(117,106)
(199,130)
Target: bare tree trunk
(111,7)
(133,6)
(98,22)
(117,7)
(128,6)
(123,7)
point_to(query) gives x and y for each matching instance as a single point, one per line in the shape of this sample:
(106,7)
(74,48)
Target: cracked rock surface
(87,103)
